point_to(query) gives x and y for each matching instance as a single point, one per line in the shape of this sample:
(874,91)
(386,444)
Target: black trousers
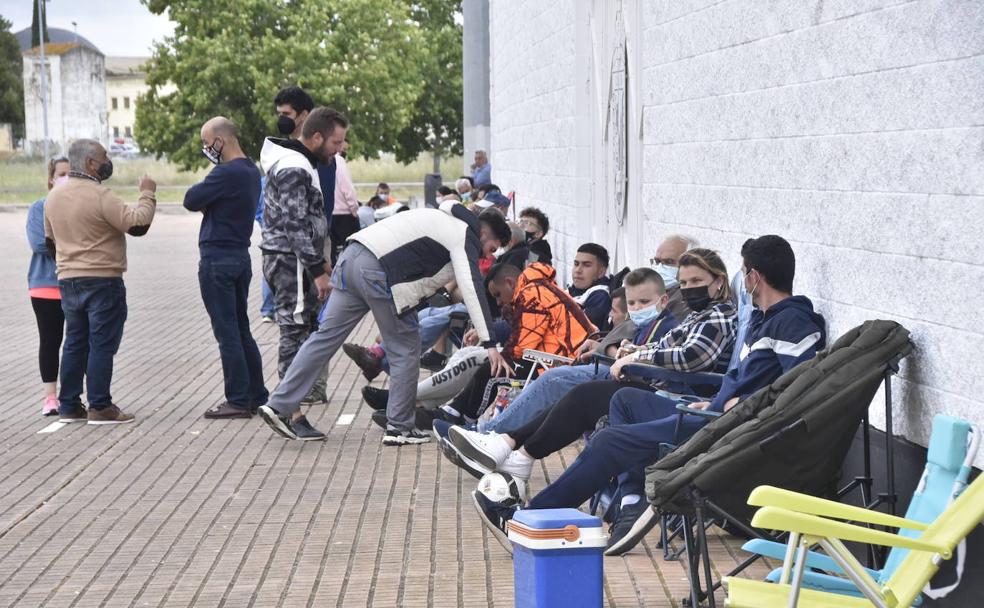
(575,414)
(342,227)
(469,401)
(51,329)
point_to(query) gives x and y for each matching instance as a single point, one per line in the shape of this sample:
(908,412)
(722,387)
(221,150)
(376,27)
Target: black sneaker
(79,414)
(379,418)
(375,397)
(633,522)
(304,431)
(422,418)
(433,361)
(413,437)
(275,421)
(495,516)
(426,420)
(371,366)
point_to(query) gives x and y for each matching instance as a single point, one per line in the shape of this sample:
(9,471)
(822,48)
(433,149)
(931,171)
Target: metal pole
(44,82)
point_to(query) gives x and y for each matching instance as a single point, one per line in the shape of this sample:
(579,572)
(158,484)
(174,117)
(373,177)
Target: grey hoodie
(294,219)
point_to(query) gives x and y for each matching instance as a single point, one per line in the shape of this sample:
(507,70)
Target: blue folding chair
(952,448)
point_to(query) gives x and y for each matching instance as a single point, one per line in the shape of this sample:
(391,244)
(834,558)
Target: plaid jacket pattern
(703,342)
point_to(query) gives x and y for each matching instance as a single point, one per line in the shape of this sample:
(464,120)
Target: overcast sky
(117,27)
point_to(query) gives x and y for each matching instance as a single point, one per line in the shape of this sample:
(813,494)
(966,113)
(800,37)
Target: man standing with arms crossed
(85,227)
(227,199)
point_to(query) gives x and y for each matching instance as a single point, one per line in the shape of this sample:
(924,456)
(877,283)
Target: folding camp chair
(793,433)
(952,448)
(811,521)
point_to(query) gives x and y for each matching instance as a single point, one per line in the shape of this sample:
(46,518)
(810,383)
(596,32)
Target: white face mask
(669,274)
(59,180)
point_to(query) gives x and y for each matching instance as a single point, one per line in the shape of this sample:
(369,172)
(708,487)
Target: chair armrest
(686,409)
(814,559)
(655,373)
(602,359)
(769,496)
(775,518)
(547,359)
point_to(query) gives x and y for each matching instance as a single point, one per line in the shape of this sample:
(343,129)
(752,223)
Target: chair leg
(704,551)
(692,557)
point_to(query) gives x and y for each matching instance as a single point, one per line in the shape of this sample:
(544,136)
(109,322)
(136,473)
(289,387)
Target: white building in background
(125,81)
(853,129)
(76,75)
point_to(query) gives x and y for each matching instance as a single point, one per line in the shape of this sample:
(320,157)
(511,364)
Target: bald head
(220,126)
(219,135)
(672,247)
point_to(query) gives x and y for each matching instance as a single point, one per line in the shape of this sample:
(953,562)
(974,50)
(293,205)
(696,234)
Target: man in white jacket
(391,269)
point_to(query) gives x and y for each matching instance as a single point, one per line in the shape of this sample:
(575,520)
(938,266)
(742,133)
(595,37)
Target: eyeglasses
(667,261)
(530,224)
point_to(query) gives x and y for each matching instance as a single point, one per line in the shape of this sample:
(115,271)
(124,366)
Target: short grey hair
(518,234)
(458,185)
(688,241)
(482,152)
(80,151)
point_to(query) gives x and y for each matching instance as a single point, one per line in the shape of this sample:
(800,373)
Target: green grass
(22,180)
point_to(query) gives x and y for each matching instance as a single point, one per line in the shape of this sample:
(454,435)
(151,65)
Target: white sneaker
(517,464)
(489,450)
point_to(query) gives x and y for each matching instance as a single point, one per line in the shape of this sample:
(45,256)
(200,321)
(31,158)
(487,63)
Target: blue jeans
(266,307)
(541,394)
(95,311)
(224,283)
(640,421)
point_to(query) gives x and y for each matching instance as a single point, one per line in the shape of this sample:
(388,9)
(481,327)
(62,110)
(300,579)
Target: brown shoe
(109,415)
(79,414)
(227,410)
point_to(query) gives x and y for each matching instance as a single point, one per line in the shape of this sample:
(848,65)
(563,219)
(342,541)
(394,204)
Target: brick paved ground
(175,510)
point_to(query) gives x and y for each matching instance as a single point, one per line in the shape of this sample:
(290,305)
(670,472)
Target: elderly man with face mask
(226,200)
(85,227)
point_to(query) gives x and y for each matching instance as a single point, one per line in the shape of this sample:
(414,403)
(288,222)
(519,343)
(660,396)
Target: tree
(230,57)
(437,116)
(41,18)
(11,80)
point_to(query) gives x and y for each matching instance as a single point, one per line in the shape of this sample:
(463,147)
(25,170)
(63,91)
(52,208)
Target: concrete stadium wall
(855,129)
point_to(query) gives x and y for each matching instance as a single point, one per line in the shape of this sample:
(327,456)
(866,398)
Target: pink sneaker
(50,407)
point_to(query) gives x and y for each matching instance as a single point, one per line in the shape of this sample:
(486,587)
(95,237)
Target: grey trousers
(358,286)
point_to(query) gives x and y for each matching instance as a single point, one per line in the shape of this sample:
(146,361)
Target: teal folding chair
(952,448)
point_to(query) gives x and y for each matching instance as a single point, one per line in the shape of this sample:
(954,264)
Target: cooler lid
(541,519)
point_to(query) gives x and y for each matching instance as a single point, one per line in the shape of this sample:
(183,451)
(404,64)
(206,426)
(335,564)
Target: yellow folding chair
(813,521)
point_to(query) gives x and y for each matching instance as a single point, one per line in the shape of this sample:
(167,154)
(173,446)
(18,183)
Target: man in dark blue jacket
(784,331)
(227,201)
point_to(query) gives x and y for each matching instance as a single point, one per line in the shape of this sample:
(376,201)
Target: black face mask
(530,237)
(286,125)
(697,298)
(105,171)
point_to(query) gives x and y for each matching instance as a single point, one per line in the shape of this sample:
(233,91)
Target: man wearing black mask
(294,229)
(293,105)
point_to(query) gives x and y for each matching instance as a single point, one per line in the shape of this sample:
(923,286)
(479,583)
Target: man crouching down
(392,268)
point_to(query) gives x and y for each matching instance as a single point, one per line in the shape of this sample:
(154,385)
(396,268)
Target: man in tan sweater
(85,226)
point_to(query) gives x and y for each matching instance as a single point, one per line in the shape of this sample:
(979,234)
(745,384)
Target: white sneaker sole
(105,422)
(270,417)
(470,450)
(401,440)
(496,532)
(643,524)
(458,459)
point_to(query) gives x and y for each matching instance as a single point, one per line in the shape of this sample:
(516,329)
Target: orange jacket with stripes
(544,317)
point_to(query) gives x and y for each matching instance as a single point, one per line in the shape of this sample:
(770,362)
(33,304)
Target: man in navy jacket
(227,201)
(784,331)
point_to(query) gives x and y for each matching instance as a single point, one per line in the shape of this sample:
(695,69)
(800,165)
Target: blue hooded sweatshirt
(779,339)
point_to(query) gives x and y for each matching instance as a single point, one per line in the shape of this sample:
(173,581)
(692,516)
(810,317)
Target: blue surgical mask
(669,274)
(643,316)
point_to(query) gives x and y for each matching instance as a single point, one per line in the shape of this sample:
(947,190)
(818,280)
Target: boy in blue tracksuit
(784,331)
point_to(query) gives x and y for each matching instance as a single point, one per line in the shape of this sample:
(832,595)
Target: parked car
(123,150)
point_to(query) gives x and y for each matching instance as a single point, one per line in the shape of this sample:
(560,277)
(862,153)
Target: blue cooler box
(557,558)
